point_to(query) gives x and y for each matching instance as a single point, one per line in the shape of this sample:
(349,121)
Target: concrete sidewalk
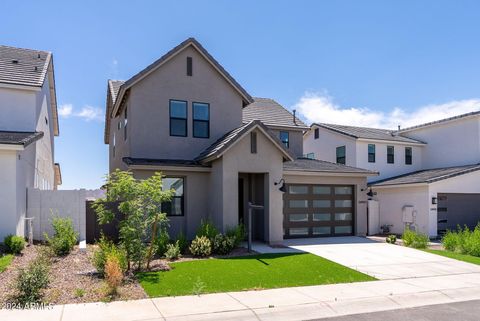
(299,303)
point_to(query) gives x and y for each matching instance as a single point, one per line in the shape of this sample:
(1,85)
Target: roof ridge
(472,113)
(27,49)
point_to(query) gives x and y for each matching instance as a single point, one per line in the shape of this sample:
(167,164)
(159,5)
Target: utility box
(408,214)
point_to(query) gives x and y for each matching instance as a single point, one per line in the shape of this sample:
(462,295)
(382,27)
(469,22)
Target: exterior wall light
(282,188)
(434,200)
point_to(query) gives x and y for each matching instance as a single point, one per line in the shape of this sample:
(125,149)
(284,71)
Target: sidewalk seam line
(247,307)
(160,312)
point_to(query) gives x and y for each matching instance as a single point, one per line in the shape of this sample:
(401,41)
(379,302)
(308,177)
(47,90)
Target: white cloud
(65,110)
(320,108)
(87,113)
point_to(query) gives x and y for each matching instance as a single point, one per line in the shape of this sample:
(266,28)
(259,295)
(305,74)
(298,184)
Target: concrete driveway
(381,260)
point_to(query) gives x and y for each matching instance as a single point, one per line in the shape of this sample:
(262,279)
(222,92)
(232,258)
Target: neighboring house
(433,190)
(28,125)
(219,148)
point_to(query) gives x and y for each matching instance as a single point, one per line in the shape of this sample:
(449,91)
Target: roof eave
(307,172)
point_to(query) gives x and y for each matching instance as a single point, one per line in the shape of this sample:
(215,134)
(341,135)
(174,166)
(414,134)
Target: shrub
(472,242)
(408,237)
(238,233)
(201,246)
(414,239)
(182,242)
(79,293)
(223,244)
(173,251)
(64,237)
(113,273)
(14,244)
(107,249)
(207,229)
(391,239)
(162,241)
(451,241)
(31,281)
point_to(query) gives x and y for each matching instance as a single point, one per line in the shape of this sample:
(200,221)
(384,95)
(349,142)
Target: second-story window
(113,148)
(285,138)
(201,120)
(408,155)
(178,118)
(253,142)
(371,153)
(125,125)
(341,155)
(316,133)
(390,154)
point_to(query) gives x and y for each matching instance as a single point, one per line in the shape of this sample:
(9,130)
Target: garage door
(318,210)
(457,209)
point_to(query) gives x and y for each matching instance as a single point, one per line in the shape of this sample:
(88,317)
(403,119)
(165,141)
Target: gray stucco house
(219,148)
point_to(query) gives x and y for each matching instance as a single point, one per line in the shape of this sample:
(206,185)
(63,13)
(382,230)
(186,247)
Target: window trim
(316,133)
(181,197)
(372,154)
(392,154)
(409,158)
(178,118)
(200,120)
(125,124)
(344,157)
(287,142)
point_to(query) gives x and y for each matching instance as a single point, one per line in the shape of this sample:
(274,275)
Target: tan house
(220,148)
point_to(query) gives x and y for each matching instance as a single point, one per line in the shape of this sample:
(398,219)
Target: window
(371,153)
(408,155)
(46,121)
(309,156)
(390,154)
(113,148)
(341,159)
(176,205)
(201,120)
(178,118)
(189,66)
(125,125)
(253,142)
(298,189)
(284,137)
(316,133)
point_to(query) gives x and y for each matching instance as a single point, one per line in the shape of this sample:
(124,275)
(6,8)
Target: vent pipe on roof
(294,117)
(398,127)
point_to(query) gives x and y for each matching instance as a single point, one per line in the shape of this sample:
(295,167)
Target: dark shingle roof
(19,138)
(271,113)
(315,165)
(161,162)
(368,133)
(474,113)
(114,87)
(231,137)
(427,176)
(23,66)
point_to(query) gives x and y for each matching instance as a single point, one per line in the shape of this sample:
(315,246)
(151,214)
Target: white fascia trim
(20,87)
(320,173)
(171,168)
(295,128)
(398,185)
(11,147)
(369,140)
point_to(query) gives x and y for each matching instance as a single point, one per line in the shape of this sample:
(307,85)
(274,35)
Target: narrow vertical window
(113,148)
(125,125)
(371,153)
(285,138)
(178,118)
(316,133)
(201,120)
(390,154)
(189,66)
(341,155)
(253,142)
(408,156)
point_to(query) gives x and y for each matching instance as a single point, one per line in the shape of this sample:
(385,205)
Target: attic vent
(15,61)
(38,56)
(189,66)
(36,68)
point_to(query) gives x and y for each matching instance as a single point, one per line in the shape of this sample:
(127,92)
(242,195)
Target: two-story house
(220,148)
(428,174)
(28,124)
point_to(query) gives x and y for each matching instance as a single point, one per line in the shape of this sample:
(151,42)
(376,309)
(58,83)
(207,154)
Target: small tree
(140,202)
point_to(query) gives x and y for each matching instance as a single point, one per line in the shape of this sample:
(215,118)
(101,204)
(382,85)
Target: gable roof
(427,176)
(441,121)
(24,67)
(314,165)
(114,87)
(368,133)
(218,148)
(271,113)
(19,138)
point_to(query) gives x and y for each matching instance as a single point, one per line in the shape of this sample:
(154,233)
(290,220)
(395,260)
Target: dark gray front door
(455,209)
(318,210)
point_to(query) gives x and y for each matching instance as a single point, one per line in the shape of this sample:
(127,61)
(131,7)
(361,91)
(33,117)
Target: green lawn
(263,271)
(5,261)
(457,256)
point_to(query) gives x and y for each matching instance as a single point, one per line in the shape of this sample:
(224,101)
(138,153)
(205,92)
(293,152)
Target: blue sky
(372,63)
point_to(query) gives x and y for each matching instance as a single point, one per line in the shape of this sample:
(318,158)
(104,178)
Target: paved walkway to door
(381,260)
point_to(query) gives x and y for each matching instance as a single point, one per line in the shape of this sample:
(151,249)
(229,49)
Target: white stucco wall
(388,170)
(17,109)
(451,143)
(325,146)
(8,194)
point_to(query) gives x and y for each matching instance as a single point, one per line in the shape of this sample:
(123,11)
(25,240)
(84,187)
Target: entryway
(251,188)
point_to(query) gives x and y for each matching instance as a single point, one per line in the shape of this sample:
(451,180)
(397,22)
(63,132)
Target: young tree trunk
(150,250)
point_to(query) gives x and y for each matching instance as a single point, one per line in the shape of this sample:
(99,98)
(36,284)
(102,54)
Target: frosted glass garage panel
(321,230)
(298,203)
(322,190)
(298,189)
(343,216)
(343,203)
(343,230)
(322,203)
(343,190)
(298,231)
(298,217)
(321,216)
